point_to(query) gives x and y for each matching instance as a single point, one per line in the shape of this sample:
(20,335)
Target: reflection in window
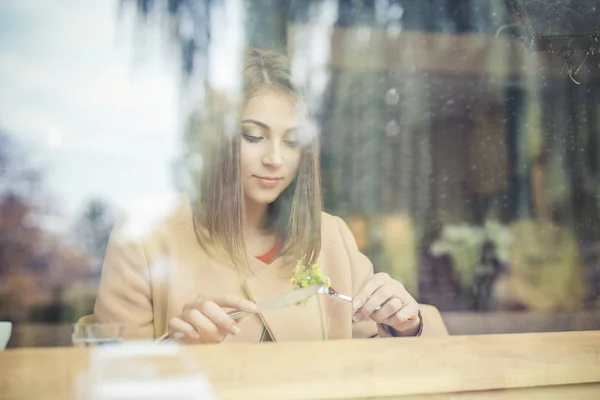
(464,159)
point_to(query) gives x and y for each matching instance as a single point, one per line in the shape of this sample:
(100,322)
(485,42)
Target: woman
(257,212)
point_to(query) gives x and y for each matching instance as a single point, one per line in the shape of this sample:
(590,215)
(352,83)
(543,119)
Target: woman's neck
(255,215)
(258,240)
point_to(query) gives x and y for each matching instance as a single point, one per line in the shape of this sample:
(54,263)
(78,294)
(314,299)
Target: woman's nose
(273,157)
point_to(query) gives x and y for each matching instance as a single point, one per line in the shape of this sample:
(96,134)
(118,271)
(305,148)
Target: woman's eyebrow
(265,126)
(255,122)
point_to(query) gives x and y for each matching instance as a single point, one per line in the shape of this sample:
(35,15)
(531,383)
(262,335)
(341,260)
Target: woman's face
(269,152)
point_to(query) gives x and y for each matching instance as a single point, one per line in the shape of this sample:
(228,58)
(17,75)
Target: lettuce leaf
(308,275)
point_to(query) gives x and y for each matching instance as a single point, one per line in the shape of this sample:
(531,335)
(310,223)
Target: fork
(332,292)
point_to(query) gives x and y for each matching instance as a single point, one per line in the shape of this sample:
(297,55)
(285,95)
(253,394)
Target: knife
(285,300)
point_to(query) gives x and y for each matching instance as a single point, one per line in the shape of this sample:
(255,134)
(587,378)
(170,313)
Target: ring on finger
(393,298)
(390,299)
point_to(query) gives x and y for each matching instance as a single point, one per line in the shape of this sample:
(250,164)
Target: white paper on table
(142,371)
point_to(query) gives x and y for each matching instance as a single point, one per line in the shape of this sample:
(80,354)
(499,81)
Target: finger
(219,317)
(390,308)
(237,303)
(406,318)
(378,298)
(369,287)
(178,325)
(206,328)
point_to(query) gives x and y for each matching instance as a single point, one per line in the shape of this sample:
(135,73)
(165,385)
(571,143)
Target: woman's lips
(268,182)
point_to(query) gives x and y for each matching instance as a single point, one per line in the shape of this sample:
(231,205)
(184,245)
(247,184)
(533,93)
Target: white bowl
(5,330)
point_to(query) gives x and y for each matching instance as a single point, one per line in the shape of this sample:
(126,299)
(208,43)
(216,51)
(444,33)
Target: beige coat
(147,280)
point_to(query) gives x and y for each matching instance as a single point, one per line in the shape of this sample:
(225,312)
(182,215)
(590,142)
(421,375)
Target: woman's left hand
(398,308)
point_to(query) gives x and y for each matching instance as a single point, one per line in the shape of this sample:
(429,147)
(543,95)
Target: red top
(272,254)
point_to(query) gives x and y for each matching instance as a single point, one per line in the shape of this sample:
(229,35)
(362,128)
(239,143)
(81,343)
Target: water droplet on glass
(392,128)
(395,12)
(394,30)
(363,35)
(392,97)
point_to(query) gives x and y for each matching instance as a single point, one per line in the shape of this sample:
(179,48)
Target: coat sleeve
(125,294)
(361,269)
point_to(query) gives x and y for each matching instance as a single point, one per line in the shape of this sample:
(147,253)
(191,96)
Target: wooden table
(517,366)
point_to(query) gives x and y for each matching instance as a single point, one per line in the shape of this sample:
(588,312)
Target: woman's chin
(264,199)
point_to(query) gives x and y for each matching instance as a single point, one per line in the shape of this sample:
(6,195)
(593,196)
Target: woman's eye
(251,138)
(291,143)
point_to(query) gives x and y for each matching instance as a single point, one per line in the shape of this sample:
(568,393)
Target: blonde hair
(218,206)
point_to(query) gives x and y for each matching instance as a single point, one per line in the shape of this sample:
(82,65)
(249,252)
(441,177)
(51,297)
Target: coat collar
(290,323)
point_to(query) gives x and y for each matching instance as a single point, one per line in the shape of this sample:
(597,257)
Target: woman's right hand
(205,319)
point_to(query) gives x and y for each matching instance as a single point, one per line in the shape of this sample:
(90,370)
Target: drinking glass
(96,334)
